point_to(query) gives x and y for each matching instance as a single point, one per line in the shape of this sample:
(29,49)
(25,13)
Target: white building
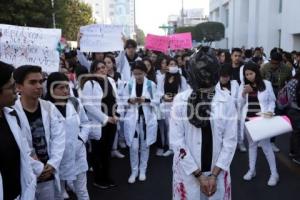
(251,23)
(117,12)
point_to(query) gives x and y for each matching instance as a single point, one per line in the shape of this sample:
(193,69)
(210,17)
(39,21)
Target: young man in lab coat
(17,176)
(203,134)
(43,127)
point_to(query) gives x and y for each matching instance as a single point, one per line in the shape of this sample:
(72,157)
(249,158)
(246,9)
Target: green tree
(207,31)
(69,14)
(140,36)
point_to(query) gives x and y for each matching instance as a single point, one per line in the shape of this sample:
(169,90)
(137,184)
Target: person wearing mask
(256,96)
(169,85)
(203,134)
(73,166)
(99,97)
(43,127)
(18,175)
(236,63)
(140,122)
(278,74)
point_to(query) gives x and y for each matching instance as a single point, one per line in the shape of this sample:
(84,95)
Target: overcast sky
(150,14)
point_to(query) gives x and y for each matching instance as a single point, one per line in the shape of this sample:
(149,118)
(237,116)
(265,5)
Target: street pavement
(158,185)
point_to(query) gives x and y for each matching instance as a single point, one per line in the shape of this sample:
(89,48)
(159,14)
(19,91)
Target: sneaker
(275,148)
(101,185)
(142,177)
(159,152)
(296,160)
(132,178)
(122,145)
(274,178)
(249,175)
(242,147)
(117,154)
(168,153)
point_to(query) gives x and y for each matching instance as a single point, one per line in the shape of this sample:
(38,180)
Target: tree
(70,14)
(140,36)
(207,31)
(75,15)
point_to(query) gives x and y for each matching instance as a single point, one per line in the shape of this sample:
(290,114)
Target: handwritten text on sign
(181,41)
(101,38)
(33,46)
(157,43)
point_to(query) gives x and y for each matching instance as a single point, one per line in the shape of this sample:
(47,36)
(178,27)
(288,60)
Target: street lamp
(53,14)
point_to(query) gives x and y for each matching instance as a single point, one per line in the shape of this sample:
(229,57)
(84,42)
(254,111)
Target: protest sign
(181,41)
(30,46)
(101,38)
(157,43)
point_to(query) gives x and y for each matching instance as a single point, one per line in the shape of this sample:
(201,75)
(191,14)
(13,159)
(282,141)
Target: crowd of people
(192,104)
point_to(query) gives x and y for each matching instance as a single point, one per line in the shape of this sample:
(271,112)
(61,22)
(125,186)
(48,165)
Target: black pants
(101,154)
(294,116)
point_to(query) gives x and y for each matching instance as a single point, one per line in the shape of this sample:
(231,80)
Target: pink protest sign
(181,41)
(157,43)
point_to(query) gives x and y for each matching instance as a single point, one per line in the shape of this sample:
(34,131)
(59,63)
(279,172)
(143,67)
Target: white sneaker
(168,153)
(275,148)
(249,175)
(142,177)
(274,178)
(132,178)
(122,145)
(117,154)
(242,147)
(159,152)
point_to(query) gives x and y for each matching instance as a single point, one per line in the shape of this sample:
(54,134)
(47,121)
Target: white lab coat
(165,107)
(131,114)
(91,97)
(30,168)
(54,133)
(185,140)
(74,160)
(123,66)
(266,100)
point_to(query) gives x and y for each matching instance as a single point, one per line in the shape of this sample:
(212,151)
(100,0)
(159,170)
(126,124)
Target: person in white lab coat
(99,97)
(140,121)
(169,85)
(256,95)
(43,127)
(203,134)
(77,132)
(18,170)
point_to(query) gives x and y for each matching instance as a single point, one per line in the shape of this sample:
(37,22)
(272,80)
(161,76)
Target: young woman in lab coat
(256,96)
(204,134)
(140,121)
(73,166)
(169,85)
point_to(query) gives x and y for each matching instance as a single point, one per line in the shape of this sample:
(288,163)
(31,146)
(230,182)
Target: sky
(150,14)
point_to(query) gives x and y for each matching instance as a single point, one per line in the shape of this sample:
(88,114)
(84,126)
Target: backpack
(149,88)
(282,98)
(75,103)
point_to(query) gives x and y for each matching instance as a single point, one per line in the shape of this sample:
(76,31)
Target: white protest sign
(101,38)
(30,46)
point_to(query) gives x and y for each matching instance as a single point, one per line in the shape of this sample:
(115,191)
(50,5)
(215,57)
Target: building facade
(117,12)
(252,23)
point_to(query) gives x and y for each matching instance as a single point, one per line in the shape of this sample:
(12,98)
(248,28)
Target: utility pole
(53,14)
(182,14)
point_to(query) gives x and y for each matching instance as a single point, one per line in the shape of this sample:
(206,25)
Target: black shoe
(111,183)
(296,160)
(101,185)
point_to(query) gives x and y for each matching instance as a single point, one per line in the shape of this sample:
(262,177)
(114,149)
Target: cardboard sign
(101,38)
(181,41)
(30,46)
(157,43)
